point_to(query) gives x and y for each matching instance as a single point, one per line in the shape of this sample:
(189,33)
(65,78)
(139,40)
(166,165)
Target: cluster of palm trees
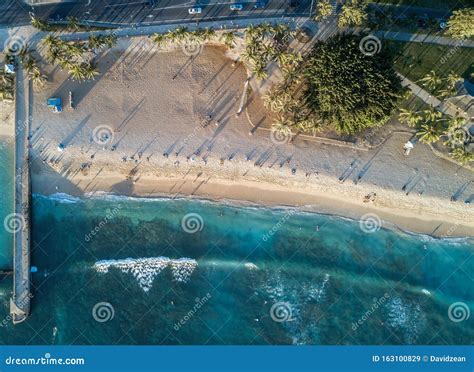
(73,56)
(30,65)
(432,126)
(182,35)
(353,13)
(286,101)
(442,87)
(73,25)
(265,43)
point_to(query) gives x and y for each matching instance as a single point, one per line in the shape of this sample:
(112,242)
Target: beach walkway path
(20,302)
(431,100)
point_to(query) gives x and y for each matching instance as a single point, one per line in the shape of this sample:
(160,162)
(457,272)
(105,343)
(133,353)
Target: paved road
(16,12)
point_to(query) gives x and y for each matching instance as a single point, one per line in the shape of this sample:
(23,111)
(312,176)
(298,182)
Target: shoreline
(66,198)
(255,194)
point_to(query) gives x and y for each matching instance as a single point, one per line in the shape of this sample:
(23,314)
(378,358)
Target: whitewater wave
(250,266)
(301,298)
(145,270)
(107,196)
(60,197)
(406,316)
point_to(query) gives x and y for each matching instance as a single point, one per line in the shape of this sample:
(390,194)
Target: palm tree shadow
(78,128)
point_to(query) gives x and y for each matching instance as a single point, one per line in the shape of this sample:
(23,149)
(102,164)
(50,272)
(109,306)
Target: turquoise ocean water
(6,203)
(234,275)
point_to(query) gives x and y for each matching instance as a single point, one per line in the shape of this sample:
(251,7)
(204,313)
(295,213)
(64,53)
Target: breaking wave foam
(145,270)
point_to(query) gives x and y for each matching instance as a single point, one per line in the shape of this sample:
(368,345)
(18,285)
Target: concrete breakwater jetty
(19,224)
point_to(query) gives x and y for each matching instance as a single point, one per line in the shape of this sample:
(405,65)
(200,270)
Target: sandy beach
(135,135)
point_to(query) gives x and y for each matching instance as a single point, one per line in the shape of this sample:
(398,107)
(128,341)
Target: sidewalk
(430,99)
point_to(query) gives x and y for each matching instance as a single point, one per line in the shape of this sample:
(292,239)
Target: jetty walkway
(20,301)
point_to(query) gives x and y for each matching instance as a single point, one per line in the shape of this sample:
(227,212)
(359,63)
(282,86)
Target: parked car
(237,7)
(195,10)
(260,4)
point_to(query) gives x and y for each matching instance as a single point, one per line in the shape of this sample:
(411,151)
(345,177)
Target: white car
(236,7)
(195,10)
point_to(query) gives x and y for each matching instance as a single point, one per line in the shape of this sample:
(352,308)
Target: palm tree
(73,23)
(66,63)
(456,122)
(29,64)
(74,50)
(228,38)
(251,33)
(38,79)
(461,155)
(353,13)
(432,115)
(280,30)
(38,24)
(53,55)
(110,40)
(450,89)
(324,10)
(90,70)
(51,41)
(76,72)
(260,73)
(208,33)
(96,42)
(264,28)
(282,126)
(411,118)
(309,125)
(452,79)
(431,80)
(159,39)
(430,133)
(457,135)
(179,34)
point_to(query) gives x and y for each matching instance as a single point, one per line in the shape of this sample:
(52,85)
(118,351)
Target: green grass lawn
(415,60)
(435,4)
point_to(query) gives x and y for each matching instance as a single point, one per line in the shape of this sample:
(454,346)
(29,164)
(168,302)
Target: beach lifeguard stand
(55,104)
